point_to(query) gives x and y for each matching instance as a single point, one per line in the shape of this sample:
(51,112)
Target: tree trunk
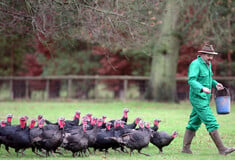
(162,85)
(229,39)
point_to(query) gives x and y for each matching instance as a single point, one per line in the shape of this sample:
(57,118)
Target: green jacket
(199,76)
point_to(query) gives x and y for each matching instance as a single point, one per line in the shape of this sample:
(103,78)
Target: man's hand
(206,90)
(219,86)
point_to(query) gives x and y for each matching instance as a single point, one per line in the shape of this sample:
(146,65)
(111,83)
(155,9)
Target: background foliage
(59,37)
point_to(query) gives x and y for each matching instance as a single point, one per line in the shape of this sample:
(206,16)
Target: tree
(165,54)
(154,28)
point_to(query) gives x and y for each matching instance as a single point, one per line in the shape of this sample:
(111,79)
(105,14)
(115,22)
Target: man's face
(207,57)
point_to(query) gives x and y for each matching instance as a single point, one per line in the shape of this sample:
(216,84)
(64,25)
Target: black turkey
(156,124)
(76,141)
(136,139)
(52,137)
(17,137)
(124,117)
(161,139)
(35,135)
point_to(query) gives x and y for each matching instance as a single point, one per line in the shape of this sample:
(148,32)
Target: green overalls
(199,76)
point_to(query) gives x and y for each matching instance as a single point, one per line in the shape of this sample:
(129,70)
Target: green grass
(173,116)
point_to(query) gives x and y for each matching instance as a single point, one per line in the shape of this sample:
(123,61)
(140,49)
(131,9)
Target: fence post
(95,87)
(47,89)
(69,88)
(11,89)
(125,89)
(27,89)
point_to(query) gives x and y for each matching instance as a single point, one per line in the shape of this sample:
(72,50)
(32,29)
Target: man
(201,82)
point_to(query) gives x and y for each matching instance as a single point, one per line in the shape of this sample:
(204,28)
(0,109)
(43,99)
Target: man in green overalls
(201,83)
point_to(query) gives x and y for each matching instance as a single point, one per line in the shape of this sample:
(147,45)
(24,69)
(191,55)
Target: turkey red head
(3,123)
(174,134)
(104,118)
(141,124)
(125,111)
(93,121)
(41,123)
(146,124)
(99,122)
(32,123)
(77,114)
(116,123)
(9,118)
(137,120)
(23,121)
(39,117)
(61,122)
(122,124)
(156,122)
(84,120)
(89,117)
(108,125)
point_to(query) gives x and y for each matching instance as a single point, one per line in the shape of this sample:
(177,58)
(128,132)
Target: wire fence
(89,87)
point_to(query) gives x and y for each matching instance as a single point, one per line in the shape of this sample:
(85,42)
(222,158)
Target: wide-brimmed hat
(208,49)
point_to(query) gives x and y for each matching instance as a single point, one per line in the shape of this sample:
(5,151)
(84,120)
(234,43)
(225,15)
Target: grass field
(173,116)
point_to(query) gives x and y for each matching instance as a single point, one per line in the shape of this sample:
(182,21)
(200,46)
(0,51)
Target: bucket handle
(226,89)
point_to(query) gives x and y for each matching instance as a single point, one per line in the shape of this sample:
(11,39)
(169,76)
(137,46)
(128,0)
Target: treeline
(114,37)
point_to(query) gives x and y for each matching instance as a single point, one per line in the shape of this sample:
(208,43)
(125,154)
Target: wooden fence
(23,87)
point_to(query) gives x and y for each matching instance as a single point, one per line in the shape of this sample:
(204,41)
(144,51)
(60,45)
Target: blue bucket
(222,102)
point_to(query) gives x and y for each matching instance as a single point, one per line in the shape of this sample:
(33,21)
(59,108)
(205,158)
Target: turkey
(3,124)
(35,136)
(93,122)
(9,118)
(39,118)
(102,142)
(161,139)
(69,123)
(22,138)
(5,131)
(104,119)
(17,137)
(136,139)
(88,115)
(132,125)
(52,136)
(84,121)
(92,134)
(76,141)
(119,129)
(124,117)
(156,124)
(75,121)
